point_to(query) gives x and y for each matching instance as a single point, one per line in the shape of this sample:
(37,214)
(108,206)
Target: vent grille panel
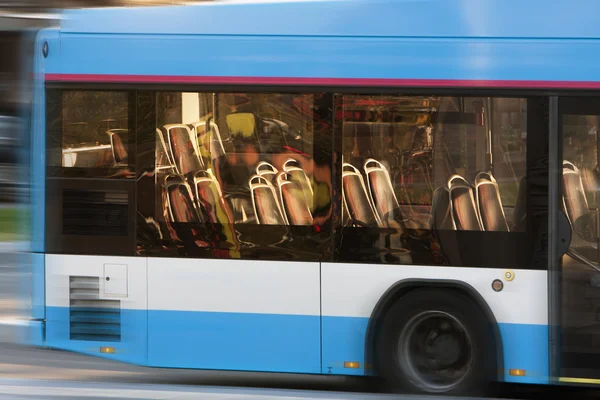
(92,318)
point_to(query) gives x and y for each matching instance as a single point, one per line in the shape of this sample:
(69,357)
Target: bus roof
(506,19)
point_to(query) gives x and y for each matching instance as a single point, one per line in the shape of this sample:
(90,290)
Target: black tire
(448,312)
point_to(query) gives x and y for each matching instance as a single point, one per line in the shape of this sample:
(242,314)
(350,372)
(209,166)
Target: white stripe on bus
(353,290)
(240,286)
(275,287)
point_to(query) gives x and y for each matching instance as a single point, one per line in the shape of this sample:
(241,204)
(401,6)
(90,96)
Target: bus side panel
(33,289)
(83,294)
(302,57)
(234,315)
(351,291)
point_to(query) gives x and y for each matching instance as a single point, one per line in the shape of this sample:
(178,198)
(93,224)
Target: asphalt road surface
(33,373)
(28,389)
(28,373)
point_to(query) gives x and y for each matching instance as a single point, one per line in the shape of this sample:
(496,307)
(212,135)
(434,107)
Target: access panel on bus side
(233,213)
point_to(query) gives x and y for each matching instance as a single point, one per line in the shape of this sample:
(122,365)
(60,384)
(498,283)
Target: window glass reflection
(420,172)
(581,181)
(235,175)
(579,124)
(94,134)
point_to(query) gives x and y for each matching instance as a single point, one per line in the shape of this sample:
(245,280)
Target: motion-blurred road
(27,373)
(69,390)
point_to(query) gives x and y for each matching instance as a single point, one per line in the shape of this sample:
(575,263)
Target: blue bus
(407,190)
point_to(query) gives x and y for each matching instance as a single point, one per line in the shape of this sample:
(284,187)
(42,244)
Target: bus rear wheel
(435,341)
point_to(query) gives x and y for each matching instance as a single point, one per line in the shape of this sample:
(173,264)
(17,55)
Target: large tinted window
(579,123)
(89,134)
(581,182)
(433,180)
(437,180)
(90,190)
(234,175)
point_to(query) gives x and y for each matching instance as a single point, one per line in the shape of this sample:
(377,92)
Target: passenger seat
(464,210)
(163,155)
(382,193)
(208,138)
(119,151)
(356,199)
(489,203)
(293,202)
(293,168)
(178,205)
(268,171)
(209,198)
(265,202)
(183,148)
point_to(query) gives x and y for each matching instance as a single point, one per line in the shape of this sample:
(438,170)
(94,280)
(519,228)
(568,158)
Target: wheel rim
(435,351)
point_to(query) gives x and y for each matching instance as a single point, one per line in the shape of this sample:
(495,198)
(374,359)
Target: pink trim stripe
(358,82)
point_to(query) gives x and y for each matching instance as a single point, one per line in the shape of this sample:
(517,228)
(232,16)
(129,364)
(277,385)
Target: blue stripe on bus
(525,347)
(234,341)
(318,57)
(344,340)
(268,342)
(131,349)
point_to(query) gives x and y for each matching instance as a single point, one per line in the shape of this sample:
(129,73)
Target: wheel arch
(401,288)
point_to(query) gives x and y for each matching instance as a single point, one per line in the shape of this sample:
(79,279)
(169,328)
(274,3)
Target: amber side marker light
(351,364)
(107,350)
(516,372)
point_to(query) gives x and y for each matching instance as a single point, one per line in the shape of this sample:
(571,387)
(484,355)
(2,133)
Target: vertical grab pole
(487,113)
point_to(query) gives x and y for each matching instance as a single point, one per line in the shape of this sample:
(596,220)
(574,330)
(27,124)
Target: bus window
(579,123)
(581,180)
(89,135)
(426,171)
(248,166)
(90,164)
